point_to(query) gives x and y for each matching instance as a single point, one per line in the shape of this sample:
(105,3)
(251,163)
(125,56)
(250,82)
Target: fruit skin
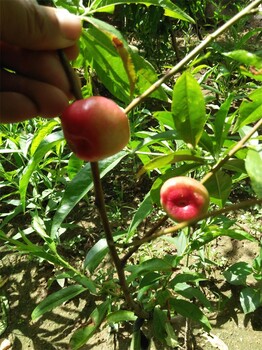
(184,198)
(95,128)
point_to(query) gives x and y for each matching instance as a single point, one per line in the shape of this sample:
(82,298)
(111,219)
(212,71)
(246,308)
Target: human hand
(33,81)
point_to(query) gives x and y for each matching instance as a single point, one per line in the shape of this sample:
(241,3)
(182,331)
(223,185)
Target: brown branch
(192,54)
(148,234)
(100,201)
(180,226)
(236,148)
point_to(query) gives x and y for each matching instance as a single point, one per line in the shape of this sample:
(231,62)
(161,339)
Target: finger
(39,27)
(44,66)
(26,98)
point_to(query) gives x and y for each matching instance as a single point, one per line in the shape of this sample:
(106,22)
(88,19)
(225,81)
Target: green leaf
(214,232)
(172,158)
(74,166)
(254,169)
(141,213)
(82,335)
(187,309)
(188,108)
(78,188)
(190,292)
(95,255)
(162,328)
(42,132)
(121,47)
(250,110)
(159,321)
(154,264)
(245,57)
(250,299)
(219,187)
(46,145)
(237,273)
(98,50)
(121,316)
(56,299)
(220,126)
(170,8)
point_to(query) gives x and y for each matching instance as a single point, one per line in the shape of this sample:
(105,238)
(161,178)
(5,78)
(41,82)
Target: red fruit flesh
(184,198)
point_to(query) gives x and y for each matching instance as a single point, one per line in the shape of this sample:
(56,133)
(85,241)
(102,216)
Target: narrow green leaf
(172,158)
(56,299)
(250,110)
(141,213)
(82,335)
(121,47)
(74,166)
(46,145)
(162,328)
(154,264)
(78,188)
(159,321)
(214,232)
(170,8)
(221,127)
(190,292)
(188,108)
(121,316)
(254,169)
(95,255)
(245,57)
(219,188)
(42,132)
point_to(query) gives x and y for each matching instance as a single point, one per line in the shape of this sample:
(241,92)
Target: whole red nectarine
(95,128)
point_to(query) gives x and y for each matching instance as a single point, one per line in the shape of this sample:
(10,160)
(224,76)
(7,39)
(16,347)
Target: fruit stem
(71,76)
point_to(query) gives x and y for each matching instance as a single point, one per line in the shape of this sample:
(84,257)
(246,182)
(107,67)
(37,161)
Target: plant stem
(180,226)
(71,76)
(100,201)
(148,234)
(236,148)
(192,54)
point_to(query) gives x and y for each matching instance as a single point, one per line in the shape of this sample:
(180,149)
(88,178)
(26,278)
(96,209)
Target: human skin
(33,81)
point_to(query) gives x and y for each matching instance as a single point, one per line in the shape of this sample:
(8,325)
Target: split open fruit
(184,198)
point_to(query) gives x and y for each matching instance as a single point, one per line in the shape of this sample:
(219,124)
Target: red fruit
(184,198)
(95,128)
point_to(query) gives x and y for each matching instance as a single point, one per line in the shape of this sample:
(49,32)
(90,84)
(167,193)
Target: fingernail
(70,24)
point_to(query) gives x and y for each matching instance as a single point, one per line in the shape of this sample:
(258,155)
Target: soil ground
(27,285)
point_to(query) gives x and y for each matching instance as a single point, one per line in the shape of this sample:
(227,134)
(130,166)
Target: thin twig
(148,234)
(180,226)
(192,54)
(236,148)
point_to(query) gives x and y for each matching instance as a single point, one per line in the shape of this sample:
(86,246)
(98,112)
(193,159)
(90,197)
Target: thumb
(31,26)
